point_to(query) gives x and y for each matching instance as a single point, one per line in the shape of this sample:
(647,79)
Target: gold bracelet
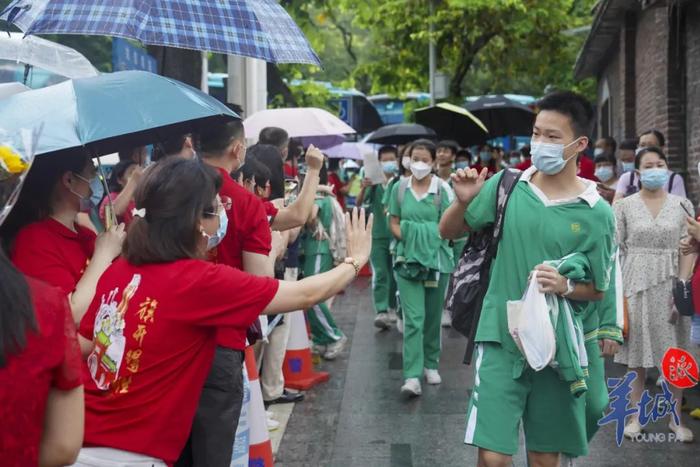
(354,263)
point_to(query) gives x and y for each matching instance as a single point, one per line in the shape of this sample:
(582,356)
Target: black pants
(214,426)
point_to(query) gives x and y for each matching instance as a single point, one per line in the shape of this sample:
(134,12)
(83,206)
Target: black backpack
(470,280)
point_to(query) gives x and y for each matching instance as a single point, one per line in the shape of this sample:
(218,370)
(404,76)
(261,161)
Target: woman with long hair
(40,386)
(150,334)
(46,242)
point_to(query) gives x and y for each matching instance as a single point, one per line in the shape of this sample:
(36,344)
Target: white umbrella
(309,124)
(10,89)
(50,56)
(349,150)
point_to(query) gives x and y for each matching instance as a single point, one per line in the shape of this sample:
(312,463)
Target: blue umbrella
(109,112)
(252,28)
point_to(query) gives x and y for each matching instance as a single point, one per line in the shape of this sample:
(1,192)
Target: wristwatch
(354,263)
(569,288)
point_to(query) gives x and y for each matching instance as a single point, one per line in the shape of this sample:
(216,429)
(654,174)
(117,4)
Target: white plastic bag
(534,328)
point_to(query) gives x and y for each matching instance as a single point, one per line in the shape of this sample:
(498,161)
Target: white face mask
(406,162)
(420,170)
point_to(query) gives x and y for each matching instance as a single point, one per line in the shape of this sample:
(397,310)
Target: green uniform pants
(324,331)
(383,282)
(422,311)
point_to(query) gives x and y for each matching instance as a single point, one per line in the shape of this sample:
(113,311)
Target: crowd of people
(182,263)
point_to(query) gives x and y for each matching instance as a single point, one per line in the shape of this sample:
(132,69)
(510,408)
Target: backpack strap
(631,184)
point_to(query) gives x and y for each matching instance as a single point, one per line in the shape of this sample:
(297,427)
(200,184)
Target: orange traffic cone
(298,368)
(260,450)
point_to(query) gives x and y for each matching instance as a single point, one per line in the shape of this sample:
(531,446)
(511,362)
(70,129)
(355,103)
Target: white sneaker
(335,348)
(399,325)
(411,387)
(683,433)
(446,320)
(632,429)
(382,321)
(272,424)
(317,349)
(432,376)
(392,315)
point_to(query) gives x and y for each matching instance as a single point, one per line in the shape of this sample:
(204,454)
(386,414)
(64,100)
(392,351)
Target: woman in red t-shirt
(40,388)
(150,333)
(122,185)
(47,243)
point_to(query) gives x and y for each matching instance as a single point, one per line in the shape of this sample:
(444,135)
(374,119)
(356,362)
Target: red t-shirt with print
(154,328)
(50,359)
(49,251)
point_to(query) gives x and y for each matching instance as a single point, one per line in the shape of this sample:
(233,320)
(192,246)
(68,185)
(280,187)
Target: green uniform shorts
(507,391)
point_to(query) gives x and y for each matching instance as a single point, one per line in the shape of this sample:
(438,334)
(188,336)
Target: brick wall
(628,92)
(692,44)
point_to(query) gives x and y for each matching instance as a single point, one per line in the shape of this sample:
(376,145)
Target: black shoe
(287,398)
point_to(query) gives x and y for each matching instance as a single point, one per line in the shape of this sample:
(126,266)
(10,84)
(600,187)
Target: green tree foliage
(482,45)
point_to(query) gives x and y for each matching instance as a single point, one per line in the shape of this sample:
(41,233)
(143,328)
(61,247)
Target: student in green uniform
(328,339)
(383,283)
(551,213)
(404,172)
(423,264)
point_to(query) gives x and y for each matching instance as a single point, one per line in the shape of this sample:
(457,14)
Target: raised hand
(110,242)
(359,235)
(467,183)
(314,158)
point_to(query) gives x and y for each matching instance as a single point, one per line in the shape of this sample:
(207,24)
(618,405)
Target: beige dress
(649,248)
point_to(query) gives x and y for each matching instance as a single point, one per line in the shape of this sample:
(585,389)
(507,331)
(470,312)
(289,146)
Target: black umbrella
(503,116)
(400,133)
(453,122)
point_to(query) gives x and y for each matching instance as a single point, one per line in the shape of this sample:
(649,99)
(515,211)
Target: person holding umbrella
(423,264)
(46,242)
(150,335)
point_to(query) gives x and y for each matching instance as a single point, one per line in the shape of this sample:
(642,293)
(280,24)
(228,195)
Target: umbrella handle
(110,216)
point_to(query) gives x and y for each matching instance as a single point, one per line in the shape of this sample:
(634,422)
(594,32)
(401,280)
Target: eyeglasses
(224,204)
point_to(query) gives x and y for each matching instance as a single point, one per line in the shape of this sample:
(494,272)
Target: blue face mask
(214,240)
(653,179)
(98,191)
(485,156)
(627,167)
(514,160)
(390,167)
(604,173)
(462,165)
(548,158)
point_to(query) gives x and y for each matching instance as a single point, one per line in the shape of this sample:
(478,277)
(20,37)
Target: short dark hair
(449,144)
(610,141)
(657,134)
(296,149)
(269,156)
(629,144)
(253,170)
(118,172)
(274,136)
(605,157)
(644,151)
(170,146)
(214,139)
(574,106)
(387,148)
(464,153)
(423,144)
(525,151)
(175,194)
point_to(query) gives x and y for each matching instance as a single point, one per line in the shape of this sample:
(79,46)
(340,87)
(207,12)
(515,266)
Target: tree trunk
(180,64)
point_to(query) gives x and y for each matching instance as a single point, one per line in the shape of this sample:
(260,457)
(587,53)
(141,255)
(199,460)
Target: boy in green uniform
(383,283)
(327,338)
(551,213)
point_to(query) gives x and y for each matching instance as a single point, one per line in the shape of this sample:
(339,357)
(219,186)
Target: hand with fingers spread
(359,235)
(550,281)
(314,158)
(467,183)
